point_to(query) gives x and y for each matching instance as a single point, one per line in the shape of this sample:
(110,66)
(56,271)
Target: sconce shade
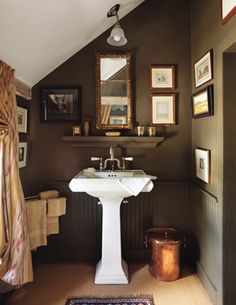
(117,37)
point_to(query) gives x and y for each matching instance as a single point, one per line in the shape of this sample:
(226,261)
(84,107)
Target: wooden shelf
(104,141)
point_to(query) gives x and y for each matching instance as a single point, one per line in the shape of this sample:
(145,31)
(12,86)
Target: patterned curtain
(15,255)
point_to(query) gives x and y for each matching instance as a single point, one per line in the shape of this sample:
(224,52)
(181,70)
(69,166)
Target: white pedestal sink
(111,187)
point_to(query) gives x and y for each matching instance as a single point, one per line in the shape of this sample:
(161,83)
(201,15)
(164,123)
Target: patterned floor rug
(143,300)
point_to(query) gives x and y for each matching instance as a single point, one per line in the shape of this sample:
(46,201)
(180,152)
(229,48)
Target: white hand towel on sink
(137,185)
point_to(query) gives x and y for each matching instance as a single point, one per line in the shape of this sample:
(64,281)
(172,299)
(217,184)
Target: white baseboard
(207,284)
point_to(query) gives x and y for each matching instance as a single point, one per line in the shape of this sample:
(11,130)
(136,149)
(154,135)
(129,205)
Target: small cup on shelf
(140,131)
(152,131)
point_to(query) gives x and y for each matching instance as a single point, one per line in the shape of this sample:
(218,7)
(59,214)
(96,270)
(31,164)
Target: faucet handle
(128,158)
(95,159)
(125,159)
(98,159)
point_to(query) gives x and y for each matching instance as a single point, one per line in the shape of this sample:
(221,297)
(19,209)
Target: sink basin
(111,187)
(112,174)
(118,184)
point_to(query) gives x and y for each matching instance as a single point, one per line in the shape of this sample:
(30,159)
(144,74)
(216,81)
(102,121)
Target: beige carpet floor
(54,283)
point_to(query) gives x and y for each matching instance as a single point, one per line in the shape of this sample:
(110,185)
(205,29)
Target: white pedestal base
(113,275)
(111,269)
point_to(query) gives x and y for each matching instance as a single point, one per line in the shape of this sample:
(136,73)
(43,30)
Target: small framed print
(22,154)
(202,163)
(203,69)
(162,77)
(202,103)
(228,9)
(22,119)
(163,109)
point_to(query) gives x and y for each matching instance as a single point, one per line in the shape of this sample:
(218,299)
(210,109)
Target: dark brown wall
(158,32)
(156,35)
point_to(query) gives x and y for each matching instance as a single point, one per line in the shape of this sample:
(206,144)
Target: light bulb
(117,38)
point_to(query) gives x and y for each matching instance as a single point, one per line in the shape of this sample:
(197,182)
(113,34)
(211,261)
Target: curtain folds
(15,255)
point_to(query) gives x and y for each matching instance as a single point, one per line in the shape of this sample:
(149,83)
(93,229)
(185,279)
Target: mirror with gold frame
(113,91)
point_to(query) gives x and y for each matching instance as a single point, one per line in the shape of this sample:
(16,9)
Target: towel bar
(36,197)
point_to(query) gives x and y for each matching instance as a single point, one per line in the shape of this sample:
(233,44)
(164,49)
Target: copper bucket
(164,264)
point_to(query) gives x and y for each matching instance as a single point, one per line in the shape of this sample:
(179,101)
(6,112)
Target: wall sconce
(117,37)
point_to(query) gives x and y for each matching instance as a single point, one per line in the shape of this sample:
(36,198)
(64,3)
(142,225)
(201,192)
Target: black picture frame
(203,103)
(61,104)
(22,154)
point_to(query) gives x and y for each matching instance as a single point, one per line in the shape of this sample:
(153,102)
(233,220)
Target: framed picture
(60,104)
(202,103)
(163,109)
(22,119)
(22,154)
(228,9)
(202,162)
(203,69)
(162,77)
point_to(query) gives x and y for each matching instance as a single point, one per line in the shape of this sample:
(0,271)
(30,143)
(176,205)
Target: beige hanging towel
(56,207)
(49,194)
(36,220)
(52,225)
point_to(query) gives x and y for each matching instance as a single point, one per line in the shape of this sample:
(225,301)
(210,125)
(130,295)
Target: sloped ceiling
(36,36)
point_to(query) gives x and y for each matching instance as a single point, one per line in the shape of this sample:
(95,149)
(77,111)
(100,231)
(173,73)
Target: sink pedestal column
(111,269)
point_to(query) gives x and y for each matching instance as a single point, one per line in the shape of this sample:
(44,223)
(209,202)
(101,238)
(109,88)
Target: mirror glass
(113,81)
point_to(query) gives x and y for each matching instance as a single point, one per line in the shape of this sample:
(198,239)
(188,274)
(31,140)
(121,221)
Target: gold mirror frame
(128,81)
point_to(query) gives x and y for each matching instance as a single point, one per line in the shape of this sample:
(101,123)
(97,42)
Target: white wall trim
(207,284)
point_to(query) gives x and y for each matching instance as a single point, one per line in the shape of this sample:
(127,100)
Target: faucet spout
(112,160)
(112,152)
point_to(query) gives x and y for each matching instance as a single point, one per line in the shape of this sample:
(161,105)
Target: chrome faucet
(112,160)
